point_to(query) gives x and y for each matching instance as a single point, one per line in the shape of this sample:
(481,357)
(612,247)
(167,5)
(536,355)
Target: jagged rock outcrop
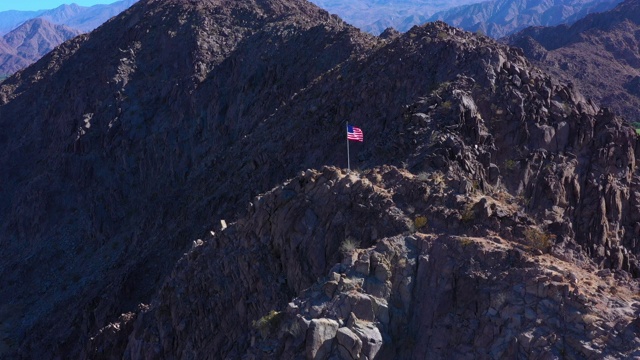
(598,54)
(177,113)
(342,267)
(562,149)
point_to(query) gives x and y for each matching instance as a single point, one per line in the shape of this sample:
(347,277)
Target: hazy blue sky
(45,4)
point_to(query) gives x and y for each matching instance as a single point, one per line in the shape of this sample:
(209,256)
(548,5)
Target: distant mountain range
(598,54)
(375,16)
(29,42)
(495,18)
(502,17)
(84,18)
(28,35)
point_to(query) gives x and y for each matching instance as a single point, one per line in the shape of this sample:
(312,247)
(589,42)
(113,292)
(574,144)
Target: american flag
(354,133)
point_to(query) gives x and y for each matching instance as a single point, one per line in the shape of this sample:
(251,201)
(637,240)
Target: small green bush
(465,241)
(268,323)
(510,164)
(468,214)
(420,222)
(538,239)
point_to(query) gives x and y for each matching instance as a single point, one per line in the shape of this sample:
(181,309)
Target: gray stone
(320,336)
(329,288)
(530,314)
(350,343)
(362,306)
(368,333)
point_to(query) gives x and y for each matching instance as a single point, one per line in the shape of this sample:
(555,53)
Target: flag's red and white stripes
(354,133)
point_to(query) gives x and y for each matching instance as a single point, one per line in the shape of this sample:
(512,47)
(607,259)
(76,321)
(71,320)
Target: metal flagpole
(348,156)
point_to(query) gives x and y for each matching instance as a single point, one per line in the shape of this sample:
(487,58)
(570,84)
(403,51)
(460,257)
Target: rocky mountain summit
(598,54)
(494,212)
(29,42)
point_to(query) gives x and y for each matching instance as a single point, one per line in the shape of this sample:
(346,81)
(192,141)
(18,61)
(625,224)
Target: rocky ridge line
(346,266)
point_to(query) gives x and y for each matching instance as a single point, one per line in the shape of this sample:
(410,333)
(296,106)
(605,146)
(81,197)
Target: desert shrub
(268,323)
(349,244)
(465,241)
(510,164)
(423,176)
(468,214)
(590,319)
(520,199)
(420,222)
(437,178)
(538,239)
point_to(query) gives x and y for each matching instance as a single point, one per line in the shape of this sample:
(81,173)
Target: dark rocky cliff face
(157,95)
(176,114)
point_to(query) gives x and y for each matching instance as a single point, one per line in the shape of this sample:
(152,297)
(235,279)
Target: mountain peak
(201,72)
(265,8)
(37,37)
(72,6)
(30,41)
